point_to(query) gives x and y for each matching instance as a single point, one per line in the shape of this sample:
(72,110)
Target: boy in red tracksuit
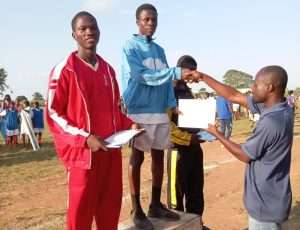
(82,110)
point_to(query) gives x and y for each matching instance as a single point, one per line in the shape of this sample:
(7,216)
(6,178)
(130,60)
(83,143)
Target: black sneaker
(160,211)
(140,220)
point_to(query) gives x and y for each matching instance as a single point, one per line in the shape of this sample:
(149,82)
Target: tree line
(36,96)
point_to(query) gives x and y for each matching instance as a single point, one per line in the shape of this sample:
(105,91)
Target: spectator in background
(224,115)
(7,101)
(38,121)
(19,103)
(291,100)
(236,111)
(2,121)
(253,117)
(25,105)
(12,125)
(3,109)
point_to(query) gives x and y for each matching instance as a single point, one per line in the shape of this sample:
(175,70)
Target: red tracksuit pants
(96,193)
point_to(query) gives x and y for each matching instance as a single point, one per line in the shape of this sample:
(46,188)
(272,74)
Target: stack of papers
(122,137)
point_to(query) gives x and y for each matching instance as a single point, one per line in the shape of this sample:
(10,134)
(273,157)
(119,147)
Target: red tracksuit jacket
(68,115)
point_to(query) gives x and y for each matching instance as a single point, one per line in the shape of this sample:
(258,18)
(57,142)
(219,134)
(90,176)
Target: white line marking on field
(212,166)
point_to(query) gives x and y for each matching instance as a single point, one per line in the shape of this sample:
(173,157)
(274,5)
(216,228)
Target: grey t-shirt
(267,189)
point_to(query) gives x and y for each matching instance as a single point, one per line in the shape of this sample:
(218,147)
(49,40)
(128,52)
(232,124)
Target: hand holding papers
(196,113)
(206,136)
(122,137)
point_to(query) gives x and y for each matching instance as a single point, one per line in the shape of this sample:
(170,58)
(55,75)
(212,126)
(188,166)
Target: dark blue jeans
(226,127)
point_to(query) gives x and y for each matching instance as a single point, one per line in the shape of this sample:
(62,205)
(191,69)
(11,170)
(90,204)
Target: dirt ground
(41,203)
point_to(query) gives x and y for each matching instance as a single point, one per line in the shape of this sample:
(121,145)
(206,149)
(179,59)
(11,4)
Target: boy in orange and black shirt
(189,165)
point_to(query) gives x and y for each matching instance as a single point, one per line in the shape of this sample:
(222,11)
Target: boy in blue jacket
(148,93)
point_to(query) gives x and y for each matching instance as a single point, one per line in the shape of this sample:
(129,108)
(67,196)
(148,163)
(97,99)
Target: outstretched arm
(226,91)
(141,71)
(234,148)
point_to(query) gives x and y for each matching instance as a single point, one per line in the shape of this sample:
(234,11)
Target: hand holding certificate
(122,137)
(206,136)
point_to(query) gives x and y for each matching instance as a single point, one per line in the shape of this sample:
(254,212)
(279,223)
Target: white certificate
(196,113)
(122,137)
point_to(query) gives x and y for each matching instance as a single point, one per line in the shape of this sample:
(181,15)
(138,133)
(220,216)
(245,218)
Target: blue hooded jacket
(38,118)
(146,78)
(12,121)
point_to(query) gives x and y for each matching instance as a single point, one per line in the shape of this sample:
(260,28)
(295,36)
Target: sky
(221,34)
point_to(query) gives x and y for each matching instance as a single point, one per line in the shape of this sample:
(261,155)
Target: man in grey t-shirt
(267,152)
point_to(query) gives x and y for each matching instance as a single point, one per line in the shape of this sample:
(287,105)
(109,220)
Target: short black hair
(188,62)
(26,103)
(78,15)
(279,76)
(7,97)
(142,7)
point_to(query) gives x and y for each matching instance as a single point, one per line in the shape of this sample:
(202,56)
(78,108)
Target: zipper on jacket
(113,95)
(86,110)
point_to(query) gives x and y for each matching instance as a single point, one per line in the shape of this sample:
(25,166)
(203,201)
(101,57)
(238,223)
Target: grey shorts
(156,136)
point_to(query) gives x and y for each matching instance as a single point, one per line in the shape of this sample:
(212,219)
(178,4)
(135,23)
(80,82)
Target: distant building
(244,90)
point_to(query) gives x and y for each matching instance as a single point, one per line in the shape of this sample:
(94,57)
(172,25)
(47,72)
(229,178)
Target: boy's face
(147,22)
(86,32)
